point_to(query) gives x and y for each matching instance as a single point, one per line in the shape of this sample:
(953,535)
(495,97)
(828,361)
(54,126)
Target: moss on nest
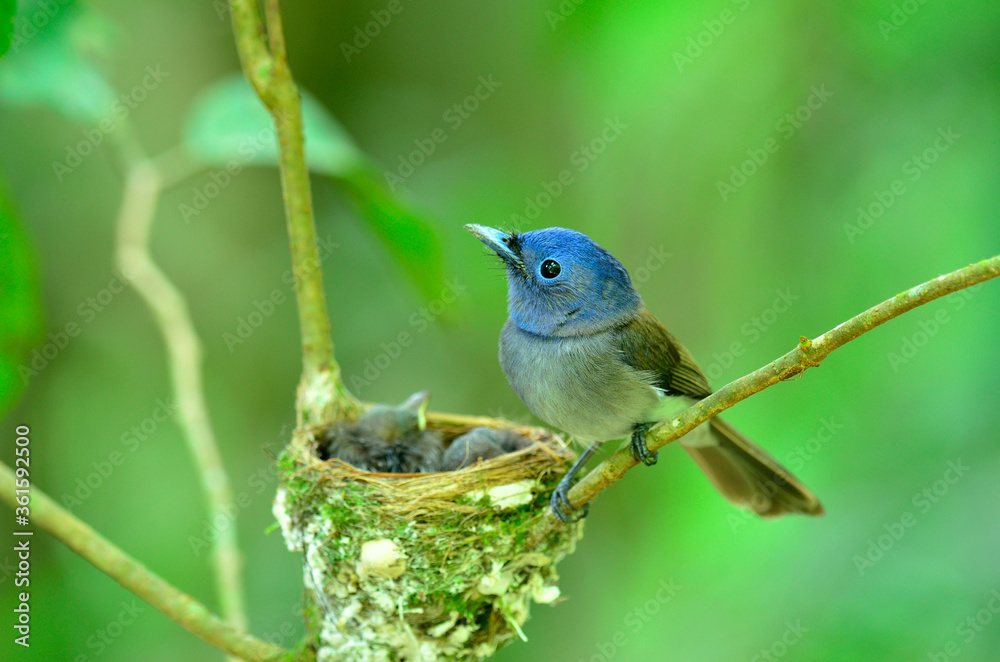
(421,567)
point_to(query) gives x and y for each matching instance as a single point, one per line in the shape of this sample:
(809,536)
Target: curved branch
(808,354)
(109,559)
(142,189)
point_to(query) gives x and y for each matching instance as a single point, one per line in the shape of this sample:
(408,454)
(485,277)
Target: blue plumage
(584,354)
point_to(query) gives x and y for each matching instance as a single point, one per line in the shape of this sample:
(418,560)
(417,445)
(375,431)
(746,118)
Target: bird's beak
(496,240)
(417,403)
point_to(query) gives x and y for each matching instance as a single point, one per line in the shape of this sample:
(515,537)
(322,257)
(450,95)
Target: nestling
(387,439)
(481,443)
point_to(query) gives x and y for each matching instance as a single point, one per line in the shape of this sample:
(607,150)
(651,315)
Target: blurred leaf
(408,236)
(229,122)
(8,8)
(21,312)
(51,69)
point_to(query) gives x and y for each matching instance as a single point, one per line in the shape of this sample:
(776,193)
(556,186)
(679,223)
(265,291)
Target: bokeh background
(890,107)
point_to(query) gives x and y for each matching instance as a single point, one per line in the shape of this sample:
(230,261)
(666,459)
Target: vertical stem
(275,30)
(322,395)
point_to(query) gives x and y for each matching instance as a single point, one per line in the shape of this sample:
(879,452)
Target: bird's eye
(550,269)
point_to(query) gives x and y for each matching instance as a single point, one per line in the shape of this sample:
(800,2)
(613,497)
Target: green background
(714,268)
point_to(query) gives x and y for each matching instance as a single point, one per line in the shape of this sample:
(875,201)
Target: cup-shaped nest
(421,567)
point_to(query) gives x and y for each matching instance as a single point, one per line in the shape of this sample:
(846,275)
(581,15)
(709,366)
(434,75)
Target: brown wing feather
(646,345)
(745,474)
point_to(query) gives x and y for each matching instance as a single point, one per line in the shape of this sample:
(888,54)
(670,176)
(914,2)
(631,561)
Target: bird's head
(560,282)
(393,423)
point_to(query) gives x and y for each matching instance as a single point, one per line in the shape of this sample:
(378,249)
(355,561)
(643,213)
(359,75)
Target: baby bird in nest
(387,439)
(479,444)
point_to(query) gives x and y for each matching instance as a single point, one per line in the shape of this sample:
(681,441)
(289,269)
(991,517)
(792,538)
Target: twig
(142,189)
(135,577)
(808,354)
(275,31)
(322,395)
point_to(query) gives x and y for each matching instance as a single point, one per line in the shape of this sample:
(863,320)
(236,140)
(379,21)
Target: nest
(422,567)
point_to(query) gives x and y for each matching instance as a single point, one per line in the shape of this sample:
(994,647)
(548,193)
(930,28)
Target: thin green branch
(322,395)
(143,184)
(275,31)
(135,577)
(248,27)
(807,354)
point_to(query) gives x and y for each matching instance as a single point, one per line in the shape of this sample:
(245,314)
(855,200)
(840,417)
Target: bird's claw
(640,452)
(563,509)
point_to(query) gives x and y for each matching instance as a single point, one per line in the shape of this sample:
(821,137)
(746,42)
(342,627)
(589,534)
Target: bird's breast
(578,384)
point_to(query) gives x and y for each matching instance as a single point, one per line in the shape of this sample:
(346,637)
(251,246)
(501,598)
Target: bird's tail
(746,475)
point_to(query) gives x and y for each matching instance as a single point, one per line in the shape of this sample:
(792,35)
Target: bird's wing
(646,345)
(741,470)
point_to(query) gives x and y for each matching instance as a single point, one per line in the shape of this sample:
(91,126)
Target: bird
(481,443)
(387,439)
(584,354)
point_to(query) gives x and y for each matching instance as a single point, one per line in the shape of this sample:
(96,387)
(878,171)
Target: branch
(808,354)
(322,395)
(135,577)
(142,189)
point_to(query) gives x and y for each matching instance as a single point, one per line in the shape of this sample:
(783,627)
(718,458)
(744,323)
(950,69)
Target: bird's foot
(562,508)
(640,452)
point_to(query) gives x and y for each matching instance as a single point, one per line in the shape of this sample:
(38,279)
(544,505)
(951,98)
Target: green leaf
(8,8)
(410,238)
(21,311)
(229,122)
(51,69)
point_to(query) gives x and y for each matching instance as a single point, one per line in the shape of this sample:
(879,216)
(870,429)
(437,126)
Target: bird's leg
(640,452)
(561,507)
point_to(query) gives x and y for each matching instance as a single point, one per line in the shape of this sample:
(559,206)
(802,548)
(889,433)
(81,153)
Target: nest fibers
(423,567)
